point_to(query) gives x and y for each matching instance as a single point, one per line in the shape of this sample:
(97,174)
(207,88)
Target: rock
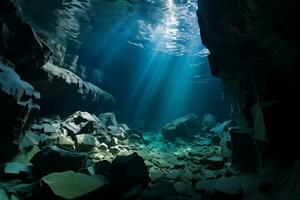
(160,191)
(128,171)
(228,188)
(18,108)
(208,121)
(3,195)
(244,152)
(125,127)
(30,139)
(184,127)
(102,167)
(116,132)
(103,138)
(205,186)
(215,162)
(25,155)
(54,159)
(81,123)
(114,150)
(216,140)
(88,171)
(86,141)
(48,129)
(221,128)
(135,138)
(184,188)
(24,190)
(16,33)
(72,185)
(55,81)
(103,147)
(114,141)
(16,170)
(109,119)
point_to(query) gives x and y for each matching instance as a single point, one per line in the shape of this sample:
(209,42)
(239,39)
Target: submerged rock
(183,127)
(128,171)
(64,93)
(19,43)
(86,141)
(72,185)
(18,107)
(54,159)
(208,121)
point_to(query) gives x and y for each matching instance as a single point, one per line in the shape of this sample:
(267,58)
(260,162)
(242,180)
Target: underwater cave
(149,99)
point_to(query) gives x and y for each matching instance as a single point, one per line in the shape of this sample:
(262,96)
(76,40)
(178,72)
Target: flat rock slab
(71,185)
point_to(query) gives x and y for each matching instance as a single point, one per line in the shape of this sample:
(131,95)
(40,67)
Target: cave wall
(255,49)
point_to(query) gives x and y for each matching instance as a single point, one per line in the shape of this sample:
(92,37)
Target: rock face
(17,108)
(256,53)
(16,33)
(63,93)
(183,127)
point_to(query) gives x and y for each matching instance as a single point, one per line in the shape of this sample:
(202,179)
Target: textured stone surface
(64,93)
(16,33)
(184,127)
(71,185)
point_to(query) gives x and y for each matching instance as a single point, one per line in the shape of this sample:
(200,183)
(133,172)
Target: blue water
(155,64)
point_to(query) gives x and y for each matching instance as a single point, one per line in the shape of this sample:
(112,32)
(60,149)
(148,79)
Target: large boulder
(18,107)
(128,171)
(183,127)
(19,43)
(63,93)
(54,159)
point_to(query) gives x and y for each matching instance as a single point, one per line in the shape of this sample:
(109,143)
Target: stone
(30,139)
(125,127)
(81,123)
(183,127)
(15,32)
(16,170)
(109,119)
(215,162)
(221,128)
(18,108)
(114,150)
(159,191)
(244,151)
(72,185)
(24,190)
(208,121)
(216,140)
(54,159)
(135,138)
(3,195)
(228,188)
(184,188)
(86,142)
(55,81)
(205,186)
(116,132)
(48,129)
(103,147)
(102,167)
(128,171)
